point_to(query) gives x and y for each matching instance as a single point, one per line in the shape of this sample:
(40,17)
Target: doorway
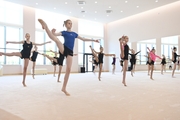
(88,62)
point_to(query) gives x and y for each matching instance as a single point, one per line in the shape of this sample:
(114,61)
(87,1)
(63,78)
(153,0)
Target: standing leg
(152,69)
(68,70)
(113,70)
(124,72)
(174,68)
(149,66)
(60,69)
(33,67)
(54,70)
(162,67)
(131,68)
(100,70)
(26,62)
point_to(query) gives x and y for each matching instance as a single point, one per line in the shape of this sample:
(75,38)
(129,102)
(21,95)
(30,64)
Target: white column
(29,27)
(158,46)
(75,58)
(179,45)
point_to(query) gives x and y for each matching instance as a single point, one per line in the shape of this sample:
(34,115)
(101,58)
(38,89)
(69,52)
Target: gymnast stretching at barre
(133,60)
(60,65)
(65,49)
(33,59)
(24,54)
(99,59)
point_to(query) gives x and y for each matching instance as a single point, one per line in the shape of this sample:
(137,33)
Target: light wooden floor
(42,99)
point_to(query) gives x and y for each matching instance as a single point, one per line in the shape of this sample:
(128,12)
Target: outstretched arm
(39,44)
(158,57)
(56,34)
(85,39)
(137,52)
(14,42)
(109,54)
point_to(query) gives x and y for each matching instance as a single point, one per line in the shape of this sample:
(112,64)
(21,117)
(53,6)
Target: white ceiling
(120,8)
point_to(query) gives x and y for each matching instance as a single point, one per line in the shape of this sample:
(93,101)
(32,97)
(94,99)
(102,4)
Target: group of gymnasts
(124,48)
(66,50)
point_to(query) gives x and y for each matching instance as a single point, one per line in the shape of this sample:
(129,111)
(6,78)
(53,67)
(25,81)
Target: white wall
(160,22)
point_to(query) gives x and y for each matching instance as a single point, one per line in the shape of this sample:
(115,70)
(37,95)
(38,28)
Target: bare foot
(124,84)
(33,77)
(99,78)
(42,23)
(24,84)
(173,77)
(132,74)
(58,81)
(151,78)
(66,93)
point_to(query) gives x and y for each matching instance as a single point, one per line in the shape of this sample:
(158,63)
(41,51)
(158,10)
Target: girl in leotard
(153,57)
(163,64)
(24,54)
(33,59)
(174,59)
(133,61)
(66,49)
(99,59)
(124,55)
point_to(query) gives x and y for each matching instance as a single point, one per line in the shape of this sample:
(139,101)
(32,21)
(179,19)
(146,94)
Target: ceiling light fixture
(109,6)
(70,12)
(137,6)
(83,15)
(95,11)
(121,11)
(54,8)
(126,1)
(95,2)
(65,2)
(156,1)
(81,7)
(36,3)
(107,15)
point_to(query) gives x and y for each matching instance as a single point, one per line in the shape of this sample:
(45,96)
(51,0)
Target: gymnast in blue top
(65,49)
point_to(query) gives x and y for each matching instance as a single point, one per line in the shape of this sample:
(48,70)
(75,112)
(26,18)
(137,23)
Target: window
(167,43)
(11,13)
(91,30)
(142,46)
(12,34)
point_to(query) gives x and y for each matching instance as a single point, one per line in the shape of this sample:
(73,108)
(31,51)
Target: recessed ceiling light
(107,15)
(137,6)
(156,1)
(83,15)
(109,6)
(54,8)
(69,12)
(81,7)
(36,3)
(95,2)
(65,2)
(94,18)
(121,11)
(95,11)
(126,1)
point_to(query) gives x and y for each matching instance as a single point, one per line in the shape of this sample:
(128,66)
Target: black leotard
(26,51)
(100,57)
(55,63)
(175,57)
(133,58)
(34,56)
(126,52)
(163,62)
(114,61)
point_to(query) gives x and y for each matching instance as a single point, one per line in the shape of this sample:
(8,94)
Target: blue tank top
(69,38)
